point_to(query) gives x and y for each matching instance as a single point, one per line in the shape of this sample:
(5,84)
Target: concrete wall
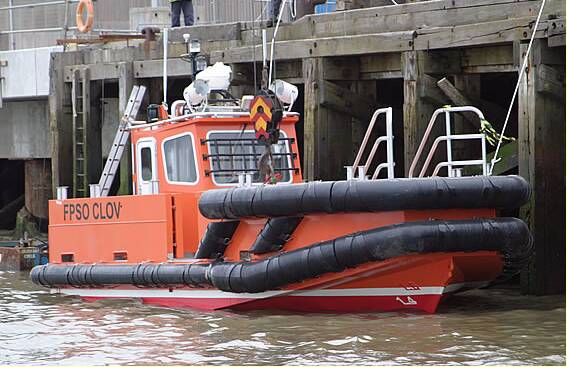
(26,73)
(24,130)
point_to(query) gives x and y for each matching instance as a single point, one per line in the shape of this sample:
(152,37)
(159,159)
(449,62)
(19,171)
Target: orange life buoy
(88,25)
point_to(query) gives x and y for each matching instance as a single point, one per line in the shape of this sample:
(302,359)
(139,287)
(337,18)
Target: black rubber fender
(275,234)
(500,192)
(510,236)
(216,239)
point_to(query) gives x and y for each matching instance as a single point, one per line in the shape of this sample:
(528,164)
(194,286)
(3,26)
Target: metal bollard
(94,190)
(62,192)
(248,181)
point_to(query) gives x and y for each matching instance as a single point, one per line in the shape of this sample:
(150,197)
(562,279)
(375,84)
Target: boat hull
(413,282)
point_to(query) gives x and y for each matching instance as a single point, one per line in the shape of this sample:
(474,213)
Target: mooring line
(524,65)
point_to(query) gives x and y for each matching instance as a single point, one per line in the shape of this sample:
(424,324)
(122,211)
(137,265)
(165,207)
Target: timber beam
(424,15)
(340,99)
(432,25)
(459,98)
(176,67)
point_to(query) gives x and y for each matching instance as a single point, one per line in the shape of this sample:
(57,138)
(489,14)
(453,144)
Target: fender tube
(510,236)
(501,192)
(216,239)
(141,275)
(275,234)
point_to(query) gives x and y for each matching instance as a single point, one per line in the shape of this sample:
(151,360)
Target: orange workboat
(221,218)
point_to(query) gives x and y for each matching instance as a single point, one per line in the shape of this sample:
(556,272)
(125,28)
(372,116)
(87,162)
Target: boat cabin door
(146,167)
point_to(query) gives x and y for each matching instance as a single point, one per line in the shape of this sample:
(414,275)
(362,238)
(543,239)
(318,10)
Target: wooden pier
(414,57)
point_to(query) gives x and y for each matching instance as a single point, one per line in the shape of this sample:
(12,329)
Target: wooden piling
(541,129)
(125,84)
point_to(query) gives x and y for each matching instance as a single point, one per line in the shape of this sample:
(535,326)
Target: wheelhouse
(202,153)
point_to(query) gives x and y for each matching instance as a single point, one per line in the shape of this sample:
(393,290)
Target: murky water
(478,327)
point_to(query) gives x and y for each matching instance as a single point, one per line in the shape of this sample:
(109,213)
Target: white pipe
(264,49)
(165,49)
(449,145)
(484,165)
(389,144)
(134,170)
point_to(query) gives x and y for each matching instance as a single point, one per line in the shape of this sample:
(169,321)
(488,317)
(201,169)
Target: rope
(524,65)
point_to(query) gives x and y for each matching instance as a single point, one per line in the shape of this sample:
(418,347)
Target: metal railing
(448,138)
(388,139)
(34,5)
(64,29)
(11,7)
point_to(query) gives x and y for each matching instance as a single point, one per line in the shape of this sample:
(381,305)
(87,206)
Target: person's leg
(175,13)
(188,12)
(274,10)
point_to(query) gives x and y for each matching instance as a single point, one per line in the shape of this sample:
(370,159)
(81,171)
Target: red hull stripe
(426,303)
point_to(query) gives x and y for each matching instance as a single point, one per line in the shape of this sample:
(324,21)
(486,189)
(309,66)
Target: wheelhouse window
(146,157)
(235,152)
(179,157)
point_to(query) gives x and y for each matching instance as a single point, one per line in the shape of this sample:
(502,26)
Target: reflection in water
(490,326)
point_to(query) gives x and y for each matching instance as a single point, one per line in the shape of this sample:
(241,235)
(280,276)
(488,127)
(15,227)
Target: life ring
(82,26)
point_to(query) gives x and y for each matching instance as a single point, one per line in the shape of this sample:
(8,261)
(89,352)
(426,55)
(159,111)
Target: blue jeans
(177,7)
(274,10)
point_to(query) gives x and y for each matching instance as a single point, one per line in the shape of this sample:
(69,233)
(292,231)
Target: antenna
(165,49)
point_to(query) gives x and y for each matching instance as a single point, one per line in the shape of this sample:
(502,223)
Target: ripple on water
(494,326)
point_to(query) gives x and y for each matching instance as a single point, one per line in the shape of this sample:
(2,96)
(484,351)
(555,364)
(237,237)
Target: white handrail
(447,138)
(447,111)
(476,162)
(373,153)
(388,138)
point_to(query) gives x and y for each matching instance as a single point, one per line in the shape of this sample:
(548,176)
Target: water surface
(495,326)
